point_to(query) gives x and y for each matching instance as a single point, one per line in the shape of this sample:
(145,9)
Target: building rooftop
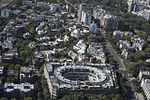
(25,69)
(1,69)
(24,87)
(49,67)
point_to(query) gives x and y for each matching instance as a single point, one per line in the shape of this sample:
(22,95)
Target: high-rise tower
(130,5)
(86,18)
(83,7)
(148,2)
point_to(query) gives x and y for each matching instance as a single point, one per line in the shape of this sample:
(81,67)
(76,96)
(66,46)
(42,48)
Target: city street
(122,70)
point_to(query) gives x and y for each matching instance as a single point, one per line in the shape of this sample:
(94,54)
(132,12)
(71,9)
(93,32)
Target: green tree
(3,98)
(117,97)
(28,98)
(13,99)
(17,67)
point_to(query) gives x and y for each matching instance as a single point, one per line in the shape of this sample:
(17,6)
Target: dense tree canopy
(82,96)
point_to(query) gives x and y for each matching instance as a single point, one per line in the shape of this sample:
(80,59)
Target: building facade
(86,18)
(83,7)
(145,84)
(65,79)
(6,13)
(18,90)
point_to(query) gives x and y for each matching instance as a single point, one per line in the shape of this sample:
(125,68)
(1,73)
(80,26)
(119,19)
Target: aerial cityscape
(74,49)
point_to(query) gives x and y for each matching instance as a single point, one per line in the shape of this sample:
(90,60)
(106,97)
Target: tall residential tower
(83,7)
(130,5)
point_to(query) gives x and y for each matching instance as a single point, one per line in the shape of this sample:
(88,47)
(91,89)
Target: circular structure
(80,75)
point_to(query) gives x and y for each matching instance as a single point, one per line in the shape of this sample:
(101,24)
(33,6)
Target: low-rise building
(75,33)
(72,55)
(66,38)
(18,90)
(144,75)
(25,74)
(127,51)
(96,51)
(148,39)
(137,43)
(10,56)
(46,55)
(124,44)
(0,83)
(0,59)
(93,27)
(148,60)
(6,13)
(1,70)
(41,4)
(80,47)
(25,2)
(7,45)
(118,33)
(81,57)
(12,73)
(143,13)
(42,32)
(55,7)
